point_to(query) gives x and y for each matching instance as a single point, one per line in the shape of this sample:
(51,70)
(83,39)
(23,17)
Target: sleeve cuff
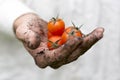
(10,10)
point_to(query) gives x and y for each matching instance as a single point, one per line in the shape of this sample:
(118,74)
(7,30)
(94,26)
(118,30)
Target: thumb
(28,37)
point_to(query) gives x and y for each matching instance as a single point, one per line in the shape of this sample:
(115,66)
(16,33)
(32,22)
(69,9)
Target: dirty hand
(32,31)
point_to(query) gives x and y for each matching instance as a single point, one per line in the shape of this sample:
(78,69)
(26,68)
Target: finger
(88,42)
(63,52)
(32,39)
(44,57)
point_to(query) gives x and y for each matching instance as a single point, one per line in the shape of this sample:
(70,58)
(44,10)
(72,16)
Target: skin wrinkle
(83,48)
(35,41)
(52,59)
(63,60)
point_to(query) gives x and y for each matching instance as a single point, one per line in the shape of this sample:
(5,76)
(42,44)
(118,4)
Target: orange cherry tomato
(54,42)
(70,32)
(56,26)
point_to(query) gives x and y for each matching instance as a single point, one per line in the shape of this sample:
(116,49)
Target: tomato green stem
(80,26)
(54,44)
(54,20)
(57,16)
(73,24)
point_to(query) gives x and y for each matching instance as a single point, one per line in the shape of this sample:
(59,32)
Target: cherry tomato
(56,26)
(69,33)
(49,34)
(54,42)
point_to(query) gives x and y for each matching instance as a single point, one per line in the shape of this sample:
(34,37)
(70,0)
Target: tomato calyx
(78,28)
(71,33)
(54,44)
(54,19)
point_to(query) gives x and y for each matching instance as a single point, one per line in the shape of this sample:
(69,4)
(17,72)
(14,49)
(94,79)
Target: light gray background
(101,62)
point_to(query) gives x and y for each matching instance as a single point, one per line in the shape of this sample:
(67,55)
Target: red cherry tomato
(56,26)
(49,34)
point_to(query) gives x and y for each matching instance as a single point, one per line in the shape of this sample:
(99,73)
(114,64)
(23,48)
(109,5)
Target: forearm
(10,10)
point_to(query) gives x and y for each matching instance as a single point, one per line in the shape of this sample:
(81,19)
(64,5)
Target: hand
(32,31)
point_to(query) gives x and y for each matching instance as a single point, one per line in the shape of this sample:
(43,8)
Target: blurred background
(101,62)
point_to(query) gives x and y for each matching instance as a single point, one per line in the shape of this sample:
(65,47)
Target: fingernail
(99,32)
